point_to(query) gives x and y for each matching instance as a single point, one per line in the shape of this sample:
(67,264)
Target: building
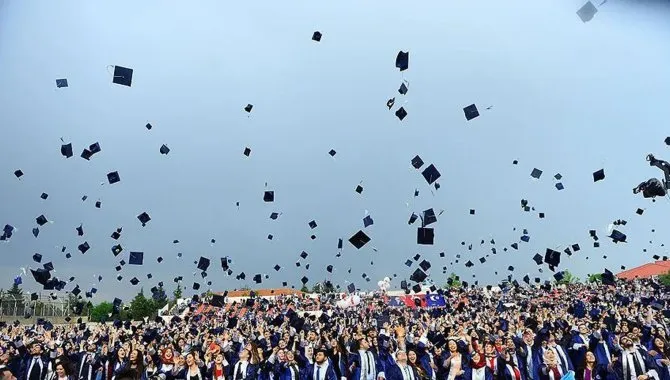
(646,271)
(269,294)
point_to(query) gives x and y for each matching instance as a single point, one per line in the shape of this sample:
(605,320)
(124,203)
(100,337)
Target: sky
(567,97)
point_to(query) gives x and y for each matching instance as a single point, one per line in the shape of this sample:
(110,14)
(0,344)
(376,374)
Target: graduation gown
(394,372)
(310,371)
(355,364)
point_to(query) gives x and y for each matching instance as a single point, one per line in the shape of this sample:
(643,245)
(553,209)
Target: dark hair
(128,374)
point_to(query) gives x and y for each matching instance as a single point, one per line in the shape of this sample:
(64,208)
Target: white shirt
(367,365)
(241,366)
(407,372)
(321,370)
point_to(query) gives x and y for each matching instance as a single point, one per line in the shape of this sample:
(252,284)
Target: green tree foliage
(665,279)
(160,298)
(595,278)
(568,278)
(101,311)
(177,293)
(141,307)
(304,289)
(453,281)
(16,293)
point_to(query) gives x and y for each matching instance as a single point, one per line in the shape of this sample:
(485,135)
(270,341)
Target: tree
(160,298)
(177,293)
(15,303)
(304,289)
(101,311)
(141,307)
(595,278)
(568,278)
(317,288)
(453,281)
(665,279)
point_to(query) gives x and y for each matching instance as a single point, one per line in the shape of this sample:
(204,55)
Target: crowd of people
(587,332)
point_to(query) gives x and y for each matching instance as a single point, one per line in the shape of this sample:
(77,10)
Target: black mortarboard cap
(304,280)
(639,211)
(402,60)
(367,221)
(80,230)
(41,276)
(412,218)
(113,177)
(41,220)
(471,112)
(425,236)
(400,113)
(61,83)
(248,107)
(431,174)
(144,218)
(329,268)
(599,175)
(575,247)
(359,239)
(416,289)
(258,278)
(417,162)
(98,204)
(123,76)
(552,257)
(37,258)
(164,149)
(304,254)
(115,235)
(607,278)
(203,263)
(269,196)
(316,36)
(351,287)
(136,258)
(538,259)
(117,249)
(559,186)
(403,89)
(425,265)
(312,224)
(536,173)
(196,286)
(83,247)
(617,236)
(390,103)
(359,189)
(66,150)
(469,264)
(48,266)
(429,217)
(18,173)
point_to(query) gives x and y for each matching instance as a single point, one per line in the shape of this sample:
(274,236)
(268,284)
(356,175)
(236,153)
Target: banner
(435,300)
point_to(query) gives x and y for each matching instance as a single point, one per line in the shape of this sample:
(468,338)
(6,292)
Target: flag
(395,301)
(435,300)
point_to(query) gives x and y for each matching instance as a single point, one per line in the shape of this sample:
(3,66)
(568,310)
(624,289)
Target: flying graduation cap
(61,83)
(136,258)
(316,36)
(587,12)
(402,60)
(471,112)
(122,76)
(66,150)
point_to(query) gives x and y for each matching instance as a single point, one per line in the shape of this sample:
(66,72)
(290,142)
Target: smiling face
(452,346)
(411,356)
(121,353)
(60,370)
(590,357)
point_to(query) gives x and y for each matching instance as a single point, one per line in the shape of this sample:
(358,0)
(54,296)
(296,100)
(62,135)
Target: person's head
(453,347)
(489,348)
(91,348)
(659,344)
(290,356)
(509,344)
(590,358)
(190,359)
(282,344)
(218,359)
(311,335)
(36,349)
(136,357)
(583,329)
(411,356)
(626,342)
(549,357)
(168,353)
(363,344)
(121,353)
(6,374)
(320,356)
(245,355)
(401,357)
(61,370)
(528,337)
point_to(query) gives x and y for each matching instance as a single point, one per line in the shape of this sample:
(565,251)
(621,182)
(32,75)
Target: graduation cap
(164,149)
(48,266)
(417,162)
(403,89)
(587,11)
(559,186)
(402,60)
(425,265)
(536,173)
(117,249)
(18,173)
(552,257)
(83,247)
(123,76)
(429,217)
(575,247)
(400,113)
(351,287)
(431,174)
(367,221)
(113,177)
(514,245)
(639,211)
(136,258)
(471,112)
(617,236)
(558,176)
(80,230)
(525,238)
(66,150)
(538,259)
(249,107)
(144,218)
(203,263)
(599,175)
(269,196)
(258,278)
(37,258)
(41,276)
(416,289)
(390,103)
(312,224)
(196,286)
(359,239)
(41,220)
(98,204)
(425,236)
(61,83)
(472,211)
(316,36)
(36,231)
(329,269)
(607,278)
(469,264)
(412,218)
(359,189)
(304,280)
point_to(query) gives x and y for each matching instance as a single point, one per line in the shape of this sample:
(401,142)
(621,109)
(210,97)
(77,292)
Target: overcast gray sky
(568,97)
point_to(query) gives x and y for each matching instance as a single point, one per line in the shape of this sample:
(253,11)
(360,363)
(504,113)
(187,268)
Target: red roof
(646,270)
